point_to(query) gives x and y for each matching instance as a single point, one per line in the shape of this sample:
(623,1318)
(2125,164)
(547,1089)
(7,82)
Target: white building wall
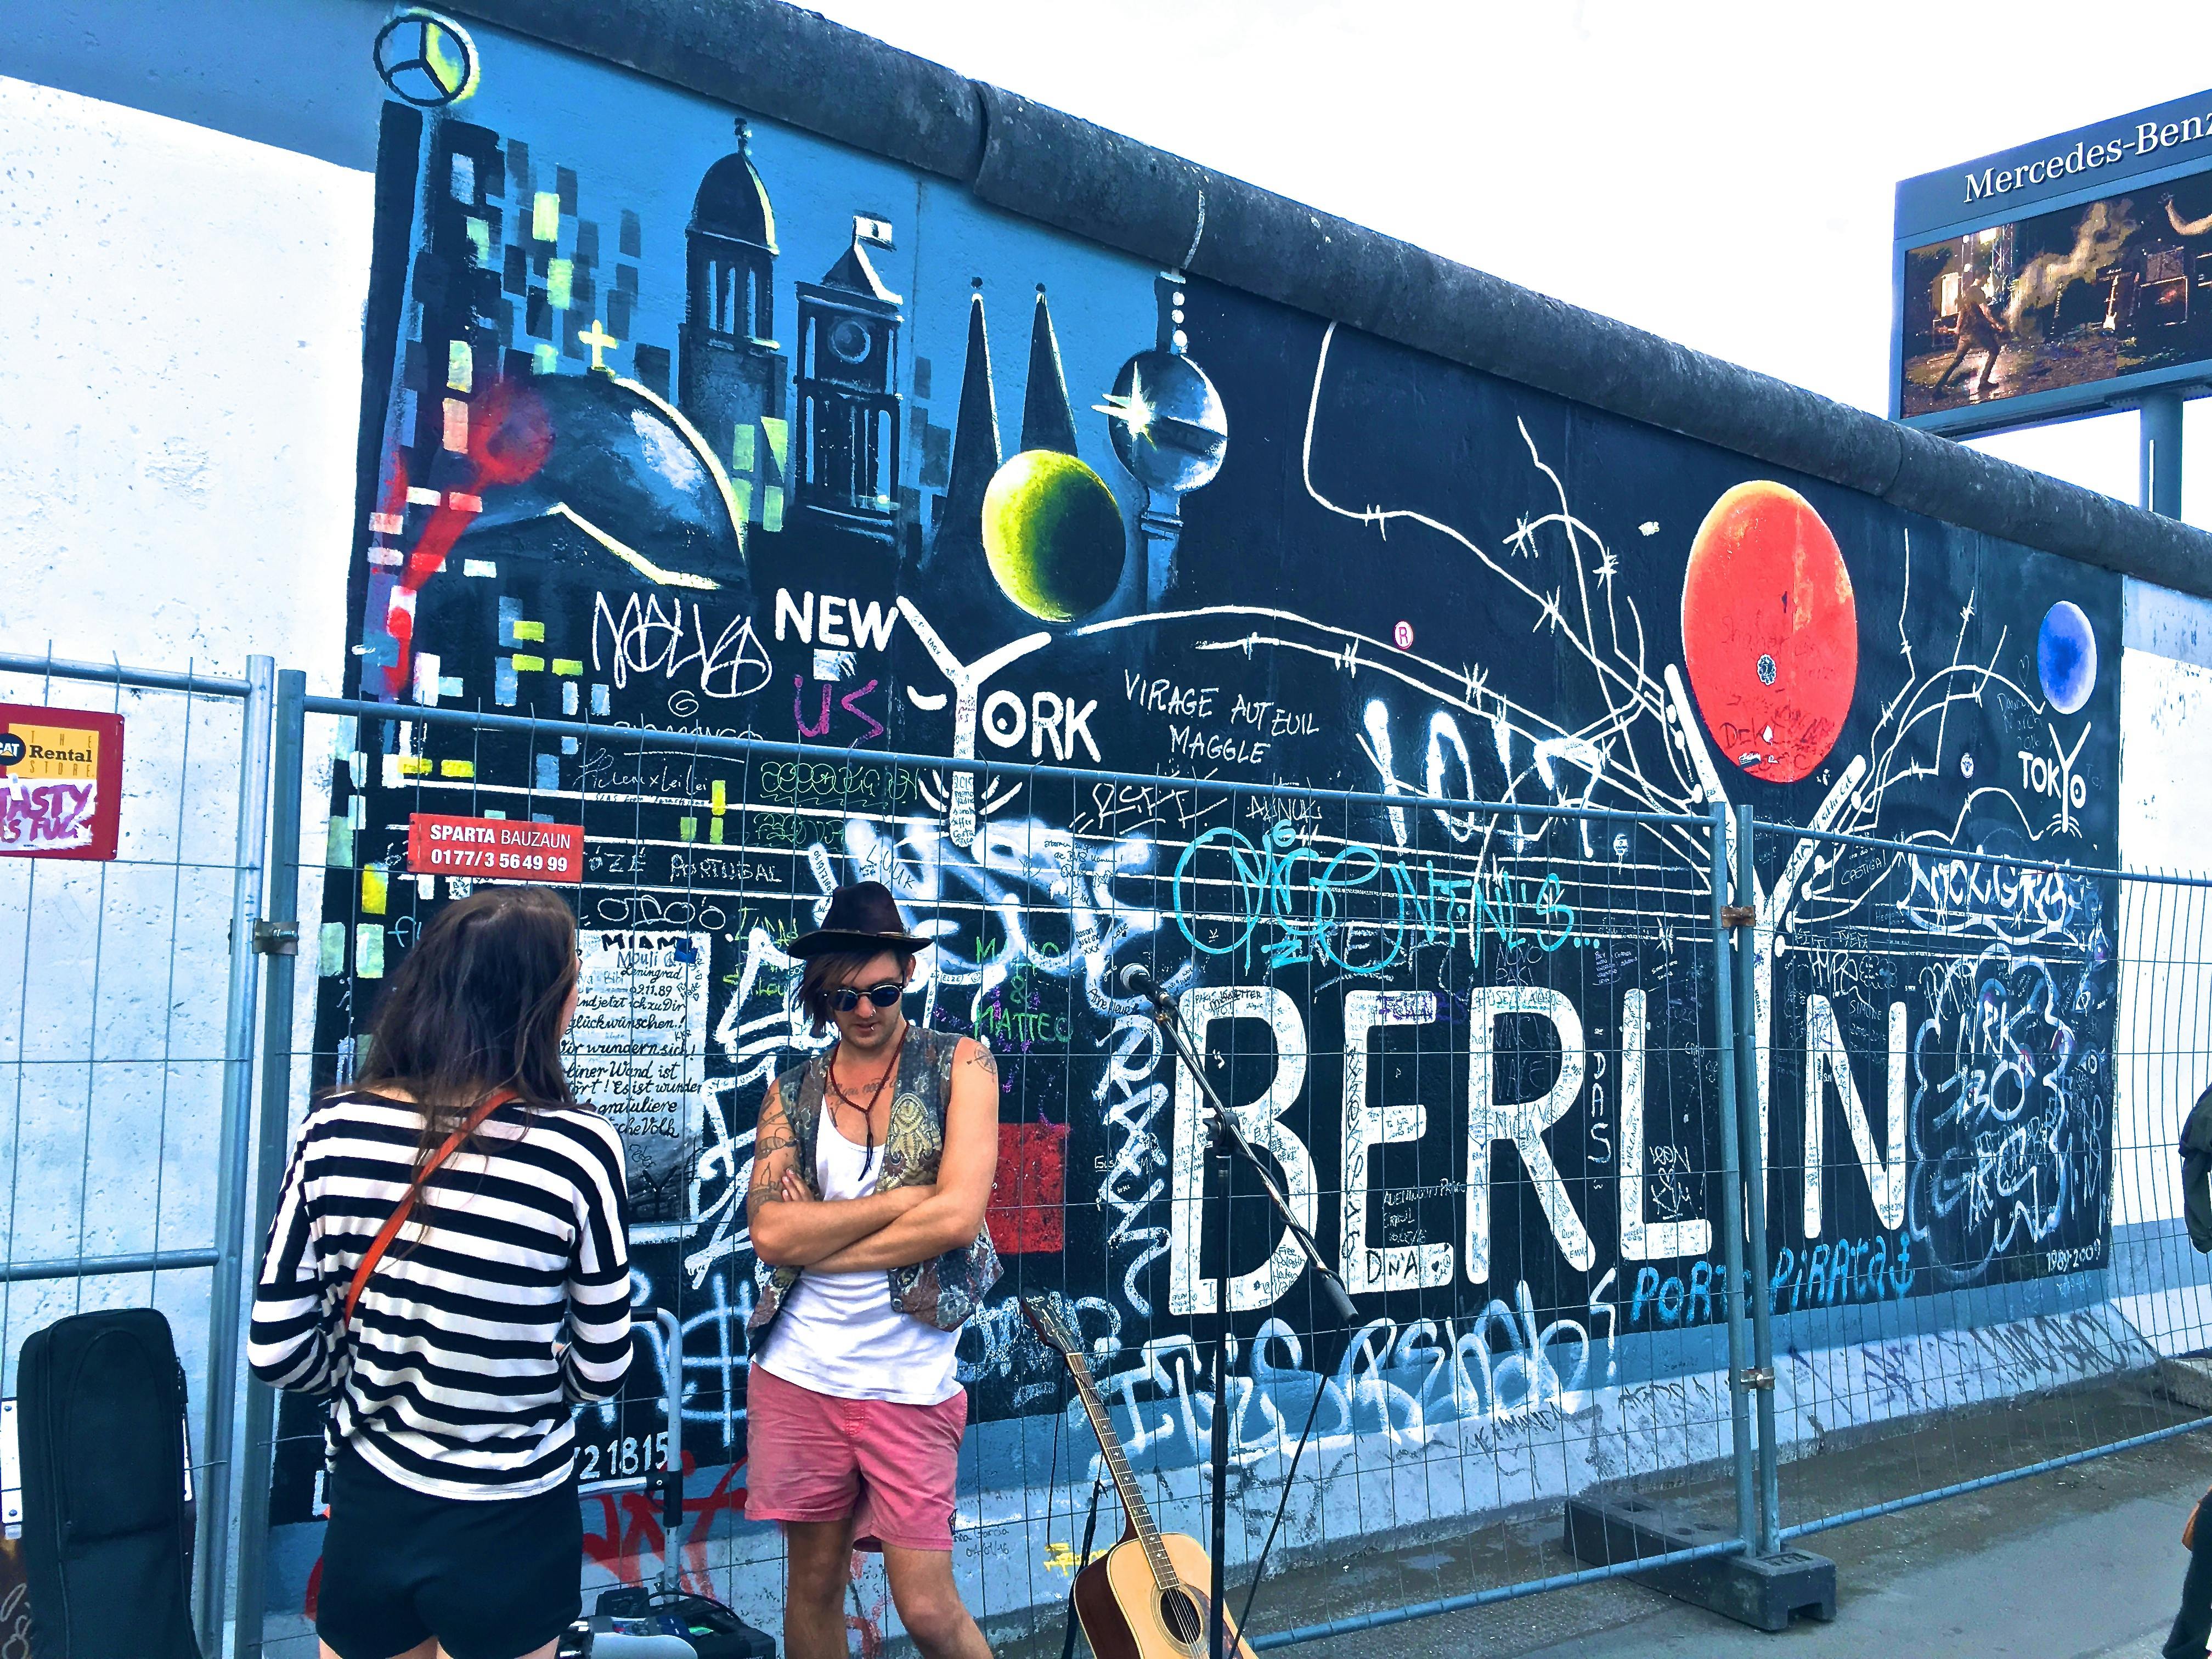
(2162,1051)
(179,390)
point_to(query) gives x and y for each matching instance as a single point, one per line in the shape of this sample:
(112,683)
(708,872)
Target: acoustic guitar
(1145,1598)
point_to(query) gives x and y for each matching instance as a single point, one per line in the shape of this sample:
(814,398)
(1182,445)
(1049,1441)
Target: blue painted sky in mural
(637,146)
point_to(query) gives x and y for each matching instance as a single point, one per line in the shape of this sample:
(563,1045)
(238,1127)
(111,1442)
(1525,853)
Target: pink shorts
(815,1457)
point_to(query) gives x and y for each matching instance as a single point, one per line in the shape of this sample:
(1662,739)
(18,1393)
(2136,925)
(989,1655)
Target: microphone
(1136,982)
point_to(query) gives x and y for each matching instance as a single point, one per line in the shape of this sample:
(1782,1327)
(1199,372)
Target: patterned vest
(944,1292)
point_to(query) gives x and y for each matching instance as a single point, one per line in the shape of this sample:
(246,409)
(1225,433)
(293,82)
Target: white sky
(1719,173)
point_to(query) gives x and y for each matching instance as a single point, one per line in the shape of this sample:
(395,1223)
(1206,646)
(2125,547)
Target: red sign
(61,782)
(494,849)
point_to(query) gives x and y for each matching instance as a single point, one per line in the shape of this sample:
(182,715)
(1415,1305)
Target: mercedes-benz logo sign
(426,60)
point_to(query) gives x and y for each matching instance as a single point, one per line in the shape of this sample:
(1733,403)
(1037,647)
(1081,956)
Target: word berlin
(2150,137)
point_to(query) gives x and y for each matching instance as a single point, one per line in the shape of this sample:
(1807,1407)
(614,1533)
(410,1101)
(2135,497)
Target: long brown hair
(476,1006)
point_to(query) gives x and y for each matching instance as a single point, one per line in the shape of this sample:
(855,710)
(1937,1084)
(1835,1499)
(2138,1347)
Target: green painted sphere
(1053,533)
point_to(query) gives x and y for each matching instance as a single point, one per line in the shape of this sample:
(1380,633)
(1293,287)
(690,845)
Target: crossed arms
(791,1228)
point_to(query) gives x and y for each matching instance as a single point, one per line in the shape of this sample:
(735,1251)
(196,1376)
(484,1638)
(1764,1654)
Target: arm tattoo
(772,1138)
(767,1184)
(984,1059)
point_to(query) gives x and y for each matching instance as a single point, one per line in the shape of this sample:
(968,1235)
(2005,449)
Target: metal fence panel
(1370,975)
(1998,1057)
(126,1062)
(1492,1049)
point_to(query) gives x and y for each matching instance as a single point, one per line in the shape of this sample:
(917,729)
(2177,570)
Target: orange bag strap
(397,1220)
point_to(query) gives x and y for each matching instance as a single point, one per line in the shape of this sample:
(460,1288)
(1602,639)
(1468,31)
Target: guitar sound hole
(1179,1612)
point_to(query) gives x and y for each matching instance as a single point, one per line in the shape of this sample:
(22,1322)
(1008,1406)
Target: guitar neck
(1125,1483)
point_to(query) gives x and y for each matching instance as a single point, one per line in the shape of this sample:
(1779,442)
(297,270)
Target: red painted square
(1030,1193)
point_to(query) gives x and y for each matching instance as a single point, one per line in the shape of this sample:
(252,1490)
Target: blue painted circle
(2066,657)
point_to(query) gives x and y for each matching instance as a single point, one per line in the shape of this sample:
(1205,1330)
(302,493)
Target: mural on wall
(680,420)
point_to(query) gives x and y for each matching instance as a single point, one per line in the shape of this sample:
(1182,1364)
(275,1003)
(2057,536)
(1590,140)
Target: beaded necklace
(866,1111)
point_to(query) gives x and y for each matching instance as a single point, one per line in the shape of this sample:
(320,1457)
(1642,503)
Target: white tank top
(838,1333)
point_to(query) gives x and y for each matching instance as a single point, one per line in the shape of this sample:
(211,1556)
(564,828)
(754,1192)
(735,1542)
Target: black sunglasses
(845,999)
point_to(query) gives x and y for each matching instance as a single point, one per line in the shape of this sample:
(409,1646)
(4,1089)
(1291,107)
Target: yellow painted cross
(600,340)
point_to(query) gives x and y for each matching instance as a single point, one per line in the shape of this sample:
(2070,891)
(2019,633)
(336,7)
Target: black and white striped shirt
(503,1302)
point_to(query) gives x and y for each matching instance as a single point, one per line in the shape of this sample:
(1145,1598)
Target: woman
(500,1302)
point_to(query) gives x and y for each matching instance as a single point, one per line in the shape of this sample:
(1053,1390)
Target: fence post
(279,940)
(1739,1340)
(218,1487)
(1752,1141)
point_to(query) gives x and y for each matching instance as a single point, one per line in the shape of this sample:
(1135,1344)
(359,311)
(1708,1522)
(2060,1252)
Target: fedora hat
(862,916)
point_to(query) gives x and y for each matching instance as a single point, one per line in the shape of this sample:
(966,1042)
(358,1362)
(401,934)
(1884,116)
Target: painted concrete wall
(210,473)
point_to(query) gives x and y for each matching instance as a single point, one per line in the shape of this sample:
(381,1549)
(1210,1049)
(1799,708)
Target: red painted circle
(1770,631)
(510,435)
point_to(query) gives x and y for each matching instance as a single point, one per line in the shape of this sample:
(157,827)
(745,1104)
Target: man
(872,1169)
(2184,227)
(1978,330)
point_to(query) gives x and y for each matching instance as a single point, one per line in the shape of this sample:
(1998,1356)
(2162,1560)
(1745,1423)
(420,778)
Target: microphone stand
(1226,1146)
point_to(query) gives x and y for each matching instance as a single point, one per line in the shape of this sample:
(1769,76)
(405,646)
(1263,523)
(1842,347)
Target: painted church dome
(609,459)
(732,202)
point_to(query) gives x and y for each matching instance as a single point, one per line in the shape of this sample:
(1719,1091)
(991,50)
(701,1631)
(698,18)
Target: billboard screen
(2080,295)
(2057,278)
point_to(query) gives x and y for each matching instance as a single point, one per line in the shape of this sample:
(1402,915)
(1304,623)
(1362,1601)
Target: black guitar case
(107,1533)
